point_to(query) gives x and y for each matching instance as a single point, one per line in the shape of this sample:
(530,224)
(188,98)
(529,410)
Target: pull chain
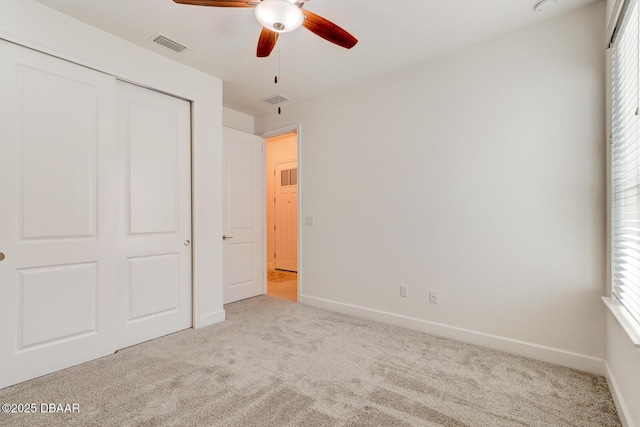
(277,77)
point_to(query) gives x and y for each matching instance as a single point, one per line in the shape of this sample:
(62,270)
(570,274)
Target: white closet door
(154,229)
(57,234)
(243,203)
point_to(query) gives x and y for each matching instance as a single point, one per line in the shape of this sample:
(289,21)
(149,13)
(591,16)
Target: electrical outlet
(433,297)
(404,291)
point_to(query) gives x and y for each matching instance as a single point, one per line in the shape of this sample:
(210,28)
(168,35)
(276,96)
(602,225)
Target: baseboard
(210,319)
(556,356)
(623,412)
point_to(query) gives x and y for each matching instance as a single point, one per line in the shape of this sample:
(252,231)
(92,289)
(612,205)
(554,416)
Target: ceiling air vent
(276,99)
(168,43)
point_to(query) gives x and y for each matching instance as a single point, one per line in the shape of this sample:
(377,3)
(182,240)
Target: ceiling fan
(282,16)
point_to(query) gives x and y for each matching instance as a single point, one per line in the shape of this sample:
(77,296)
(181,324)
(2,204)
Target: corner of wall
(239,121)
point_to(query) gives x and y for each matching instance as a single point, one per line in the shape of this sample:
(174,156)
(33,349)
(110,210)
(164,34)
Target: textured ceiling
(392,35)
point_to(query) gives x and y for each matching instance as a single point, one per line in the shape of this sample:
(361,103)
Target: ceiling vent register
(276,99)
(168,43)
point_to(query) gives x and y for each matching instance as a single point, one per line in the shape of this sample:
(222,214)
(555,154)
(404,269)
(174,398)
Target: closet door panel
(154,214)
(57,234)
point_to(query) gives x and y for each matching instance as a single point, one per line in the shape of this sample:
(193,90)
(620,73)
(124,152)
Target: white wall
(236,120)
(479,175)
(280,149)
(34,25)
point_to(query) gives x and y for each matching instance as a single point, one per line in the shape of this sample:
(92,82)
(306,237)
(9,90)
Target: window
(289,177)
(625,160)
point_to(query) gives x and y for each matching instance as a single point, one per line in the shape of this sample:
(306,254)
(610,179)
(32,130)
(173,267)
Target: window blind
(625,160)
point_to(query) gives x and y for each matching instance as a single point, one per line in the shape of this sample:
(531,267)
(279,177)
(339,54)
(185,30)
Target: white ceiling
(392,35)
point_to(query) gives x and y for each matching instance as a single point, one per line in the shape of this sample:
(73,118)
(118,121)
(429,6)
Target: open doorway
(282,215)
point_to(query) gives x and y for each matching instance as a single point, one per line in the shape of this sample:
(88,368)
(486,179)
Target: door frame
(297,128)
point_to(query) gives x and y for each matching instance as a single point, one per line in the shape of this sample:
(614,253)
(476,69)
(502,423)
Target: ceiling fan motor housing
(280,16)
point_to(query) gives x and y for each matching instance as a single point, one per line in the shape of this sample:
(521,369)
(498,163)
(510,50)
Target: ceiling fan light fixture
(280,16)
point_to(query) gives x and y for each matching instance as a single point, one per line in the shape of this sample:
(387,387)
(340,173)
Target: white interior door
(286,182)
(57,225)
(154,227)
(243,240)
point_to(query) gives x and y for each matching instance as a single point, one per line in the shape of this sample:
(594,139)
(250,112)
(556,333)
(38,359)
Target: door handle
(1,256)
(187,242)
(225,237)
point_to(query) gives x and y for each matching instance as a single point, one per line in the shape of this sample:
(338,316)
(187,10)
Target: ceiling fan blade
(328,30)
(266,42)
(218,3)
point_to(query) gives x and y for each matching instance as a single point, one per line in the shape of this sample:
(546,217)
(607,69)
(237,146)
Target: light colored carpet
(276,363)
